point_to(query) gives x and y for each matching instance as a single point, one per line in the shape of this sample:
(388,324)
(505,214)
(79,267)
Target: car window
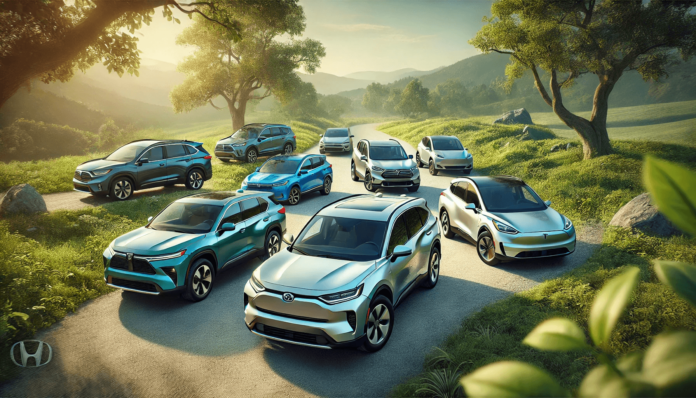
(336,133)
(413,222)
(399,235)
(317,162)
(424,141)
(128,152)
(192,218)
(233,214)
(472,197)
(514,197)
(266,134)
(191,150)
(250,208)
(280,165)
(263,204)
(175,151)
(153,154)
(447,144)
(313,230)
(286,130)
(307,165)
(246,133)
(392,152)
(424,214)
(276,131)
(343,238)
(460,190)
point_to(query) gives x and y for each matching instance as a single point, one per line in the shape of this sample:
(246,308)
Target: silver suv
(384,164)
(338,283)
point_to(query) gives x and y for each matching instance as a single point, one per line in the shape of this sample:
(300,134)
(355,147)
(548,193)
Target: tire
(200,280)
(272,245)
(368,183)
(431,168)
(353,174)
(122,188)
(225,160)
(446,226)
(294,195)
(326,189)
(322,152)
(194,179)
(433,269)
(381,311)
(418,160)
(414,188)
(251,155)
(485,247)
(287,149)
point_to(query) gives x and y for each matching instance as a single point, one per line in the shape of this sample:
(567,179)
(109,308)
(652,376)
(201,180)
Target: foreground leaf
(602,381)
(557,334)
(672,189)
(511,379)
(610,303)
(670,363)
(681,277)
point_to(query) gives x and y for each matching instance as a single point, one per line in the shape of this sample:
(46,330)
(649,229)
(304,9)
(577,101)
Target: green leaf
(557,334)
(670,363)
(681,277)
(20,315)
(672,189)
(511,379)
(602,381)
(610,303)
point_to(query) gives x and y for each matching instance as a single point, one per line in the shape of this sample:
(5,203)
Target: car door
(305,176)
(317,171)
(265,142)
(458,190)
(154,172)
(417,242)
(357,152)
(278,139)
(231,244)
(364,151)
(255,221)
(399,270)
(472,220)
(178,161)
(425,154)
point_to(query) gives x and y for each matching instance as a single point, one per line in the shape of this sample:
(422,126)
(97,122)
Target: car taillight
(282,210)
(208,157)
(294,137)
(442,193)
(330,166)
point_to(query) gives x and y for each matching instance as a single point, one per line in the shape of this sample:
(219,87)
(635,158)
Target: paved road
(137,345)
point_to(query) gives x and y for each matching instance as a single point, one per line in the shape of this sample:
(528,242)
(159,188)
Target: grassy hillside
(585,191)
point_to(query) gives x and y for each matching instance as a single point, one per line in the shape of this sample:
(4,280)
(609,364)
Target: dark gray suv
(254,140)
(145,164)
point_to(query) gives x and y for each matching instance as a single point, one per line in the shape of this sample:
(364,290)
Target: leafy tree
(374,97)
(251,68)
(335,105)
(302,102)
(49,39)
(389,106)
(414,99)
(568,38)
(450,98)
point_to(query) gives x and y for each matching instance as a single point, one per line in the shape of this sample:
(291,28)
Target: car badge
(129,256)
(545,235)
(288,297)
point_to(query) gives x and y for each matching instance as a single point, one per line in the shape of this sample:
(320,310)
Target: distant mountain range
(388,77)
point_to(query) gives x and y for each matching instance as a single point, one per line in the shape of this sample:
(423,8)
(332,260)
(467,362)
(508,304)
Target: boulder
(570,145)
(525,137)
(518,116)
(555,148)
(22,199)
(640,214)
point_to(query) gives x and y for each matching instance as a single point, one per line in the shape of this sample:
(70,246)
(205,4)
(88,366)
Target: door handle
(241,231)
(266,219)
(429,232)
(161,164)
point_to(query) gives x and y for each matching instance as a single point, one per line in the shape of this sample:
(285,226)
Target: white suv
(384,164)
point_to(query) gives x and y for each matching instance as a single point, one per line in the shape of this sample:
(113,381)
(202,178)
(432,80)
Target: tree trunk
(237,112)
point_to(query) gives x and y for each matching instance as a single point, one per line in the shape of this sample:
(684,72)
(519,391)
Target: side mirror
(470,206)
(149,219)
(401,251)
(289,240)
(258,169)
(363,158)
(547,203)
(228,226)
(321,135)
(410,156)
(143,161)
(352,136)
(303,172)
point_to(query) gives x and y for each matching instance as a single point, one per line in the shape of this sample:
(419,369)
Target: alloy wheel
(251,156)
(444,219)
(195,180)
(123,189)
(418,160)
(288,149)
(273,245)
(294,196)
(486,248)
(378,324)
(202,279)
(431,168)
(368,182)
(434,267)
(327,186)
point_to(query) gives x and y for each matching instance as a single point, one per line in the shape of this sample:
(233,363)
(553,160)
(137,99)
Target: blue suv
(290,176)
(254,140)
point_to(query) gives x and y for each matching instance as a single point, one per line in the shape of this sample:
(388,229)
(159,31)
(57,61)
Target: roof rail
(395,140)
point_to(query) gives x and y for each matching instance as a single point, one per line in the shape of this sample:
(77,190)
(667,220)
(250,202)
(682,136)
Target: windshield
(333,133)
(446,144)
(189,218)
(342,238)
(280,166)
(247,133)
(394,152)
(508,198)
(128,152)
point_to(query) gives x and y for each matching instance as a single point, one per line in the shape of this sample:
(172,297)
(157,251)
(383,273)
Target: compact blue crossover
(290,176)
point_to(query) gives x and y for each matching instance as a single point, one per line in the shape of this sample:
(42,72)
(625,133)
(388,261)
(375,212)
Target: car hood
(533,221)
(394,164)
(150,242)
(312,273)
(453,154)
(265,178)
(335,140)
(230,140)
(98,164)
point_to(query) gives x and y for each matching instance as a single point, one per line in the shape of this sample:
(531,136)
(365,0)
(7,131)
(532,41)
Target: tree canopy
(414,99)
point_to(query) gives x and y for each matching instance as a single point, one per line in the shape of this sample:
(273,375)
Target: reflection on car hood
(312,273)
(230,140)
(98,164)
(335,140)
(453,154)
(149,242)
(394,164)
(265,178)
(533,221)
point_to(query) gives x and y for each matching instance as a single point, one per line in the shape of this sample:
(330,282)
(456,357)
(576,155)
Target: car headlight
(566,222)
(280,184)
(469,156)
(504,228)
(340,297)
(256,284)
(239,144)
(166,256)
(110,249)
(414,169)
(377,169)
(99,173)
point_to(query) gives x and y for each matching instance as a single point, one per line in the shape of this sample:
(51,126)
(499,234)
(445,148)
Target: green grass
(670,122)
(585,191)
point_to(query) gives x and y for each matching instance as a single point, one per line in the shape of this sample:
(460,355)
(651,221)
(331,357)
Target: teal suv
(184,247)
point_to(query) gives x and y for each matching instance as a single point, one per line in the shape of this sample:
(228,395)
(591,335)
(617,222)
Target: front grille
(82,176)
(223,147)
(144,286)
(301,318)
(291,335)
(351,319)
(397,174)
(457,167)
(397,183)
(333,149)
(119,262)
(142,266)
(259,186)
(542,253)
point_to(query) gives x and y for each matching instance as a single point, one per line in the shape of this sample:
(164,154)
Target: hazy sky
(359,35)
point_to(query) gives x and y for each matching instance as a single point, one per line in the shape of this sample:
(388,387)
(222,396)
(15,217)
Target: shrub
(30,140)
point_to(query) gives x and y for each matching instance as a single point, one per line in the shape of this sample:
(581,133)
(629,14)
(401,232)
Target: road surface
(126,344)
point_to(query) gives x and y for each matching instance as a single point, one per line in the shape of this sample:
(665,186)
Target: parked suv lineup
(145,164)
(254,140)
(443,153)
(184,247)
(384,164)
(339,281)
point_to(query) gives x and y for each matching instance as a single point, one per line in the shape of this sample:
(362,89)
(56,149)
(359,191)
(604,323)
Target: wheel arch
(483,228)
(127,174)
(384,290)
(209,255)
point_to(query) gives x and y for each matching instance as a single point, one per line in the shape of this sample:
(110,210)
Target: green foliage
(609,304)
(556,334)
(374,97)
(335,105)
(680,276)
(303,102)
(30,140)
(672,189)
(511,379)
(414,99)
(450,98)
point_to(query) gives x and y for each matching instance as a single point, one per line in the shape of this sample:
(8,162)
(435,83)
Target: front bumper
(378,180)
(534,244)
(279,193)
(305,321)
(453,164)
(97,185)
(130,279)
(334,148)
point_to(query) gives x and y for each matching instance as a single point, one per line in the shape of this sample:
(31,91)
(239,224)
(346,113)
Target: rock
(555,148)
(640,214)
(22,199)
(518,116)
(506,144)
(31,229)
(526,137)
(570,145)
